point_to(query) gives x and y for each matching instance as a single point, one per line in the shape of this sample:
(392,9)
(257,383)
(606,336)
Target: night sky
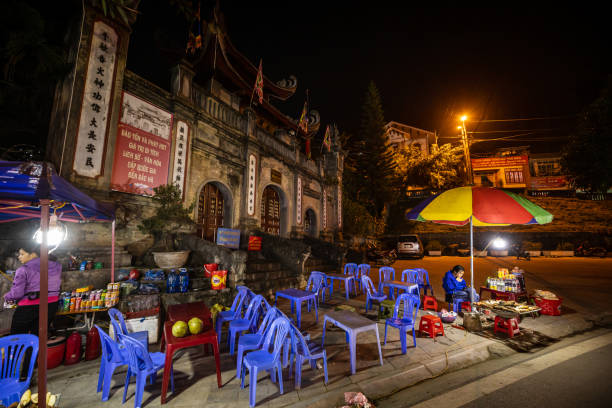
(431,65)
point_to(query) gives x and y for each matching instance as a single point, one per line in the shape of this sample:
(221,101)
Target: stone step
(271,275)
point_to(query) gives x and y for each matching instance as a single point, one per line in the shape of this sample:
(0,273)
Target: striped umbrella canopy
(484,206)
(481,207)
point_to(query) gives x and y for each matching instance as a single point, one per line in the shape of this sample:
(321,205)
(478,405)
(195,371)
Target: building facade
(507,168)
(400,135)
(241,161)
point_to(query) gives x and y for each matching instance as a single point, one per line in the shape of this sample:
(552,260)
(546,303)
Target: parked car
(410,246)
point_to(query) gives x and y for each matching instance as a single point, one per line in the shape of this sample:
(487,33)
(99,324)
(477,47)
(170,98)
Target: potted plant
(170,218)
(434,248)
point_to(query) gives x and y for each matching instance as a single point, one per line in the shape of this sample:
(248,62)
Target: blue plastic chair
(119,327)
(235,312)
(424,281)
(317,285)
(362,269)
(407,321)
(254,341)
(249,322)
(12,352)
(351,269)
(385,273)
(267,358)
(113,355)
(142,364)
(371,293)
(410,275)
(306,350)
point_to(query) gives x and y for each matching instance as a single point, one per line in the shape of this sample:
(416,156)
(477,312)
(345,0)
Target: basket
(549,307)
(447,319)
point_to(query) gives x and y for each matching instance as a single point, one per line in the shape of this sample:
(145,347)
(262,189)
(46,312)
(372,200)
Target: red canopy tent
(31,190)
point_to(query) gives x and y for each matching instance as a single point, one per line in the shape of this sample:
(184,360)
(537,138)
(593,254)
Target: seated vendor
(455,285)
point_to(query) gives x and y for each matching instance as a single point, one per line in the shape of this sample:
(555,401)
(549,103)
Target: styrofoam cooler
(148,323)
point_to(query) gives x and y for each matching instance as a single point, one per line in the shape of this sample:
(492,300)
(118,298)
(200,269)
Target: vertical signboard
(299,201)
(142,150)
(324,210)
(181,145)
(93,123)
(251,183)
(340,204)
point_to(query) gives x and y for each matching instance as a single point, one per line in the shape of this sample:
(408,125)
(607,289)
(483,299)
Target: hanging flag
(303,123)
(327,139)
(259,84)
(194,42)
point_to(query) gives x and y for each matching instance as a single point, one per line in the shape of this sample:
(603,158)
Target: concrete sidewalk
(195,378)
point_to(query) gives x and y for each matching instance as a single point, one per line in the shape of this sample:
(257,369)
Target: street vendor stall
(34,190)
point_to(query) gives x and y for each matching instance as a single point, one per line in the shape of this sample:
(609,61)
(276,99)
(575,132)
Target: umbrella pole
(471,259)
(43,313)
(113,252)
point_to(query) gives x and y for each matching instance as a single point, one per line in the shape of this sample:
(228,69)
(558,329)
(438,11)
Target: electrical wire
(523,119)
(517,130)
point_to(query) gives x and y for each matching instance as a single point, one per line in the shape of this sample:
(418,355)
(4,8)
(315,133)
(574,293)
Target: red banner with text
(141,161)
(492,162)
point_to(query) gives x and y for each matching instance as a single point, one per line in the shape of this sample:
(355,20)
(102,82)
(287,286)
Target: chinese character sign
(251,183)
(299,200)
(142,149)
(95,108)
(340,204)
(324,210)
(181,145)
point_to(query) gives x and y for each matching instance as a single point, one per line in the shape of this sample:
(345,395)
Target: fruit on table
(179,329)
(195,325)
(25,398)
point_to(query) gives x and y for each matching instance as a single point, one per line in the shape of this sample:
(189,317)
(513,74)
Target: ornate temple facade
(241,161)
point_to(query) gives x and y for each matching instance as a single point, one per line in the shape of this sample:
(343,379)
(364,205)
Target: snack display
(510,306)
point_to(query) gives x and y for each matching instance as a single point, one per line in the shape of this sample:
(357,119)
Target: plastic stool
(506,325)
(431,325)
(430,302)
(466,305)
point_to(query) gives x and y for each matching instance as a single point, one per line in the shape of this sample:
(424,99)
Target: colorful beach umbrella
(481,207)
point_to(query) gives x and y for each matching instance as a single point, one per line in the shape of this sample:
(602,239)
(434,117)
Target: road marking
(486,385)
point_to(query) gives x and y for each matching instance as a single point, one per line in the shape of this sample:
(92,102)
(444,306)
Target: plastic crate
(142,313)
(548,306)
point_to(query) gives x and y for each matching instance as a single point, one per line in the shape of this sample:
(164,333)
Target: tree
(437,171)
(170,218)
(369,166)
(587,156)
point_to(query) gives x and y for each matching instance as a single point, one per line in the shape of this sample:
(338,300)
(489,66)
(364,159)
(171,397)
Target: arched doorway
(310,223)
(210,211)
(270,211)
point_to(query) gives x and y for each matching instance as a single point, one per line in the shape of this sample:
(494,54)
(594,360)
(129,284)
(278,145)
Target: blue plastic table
(352,323)
(347,279)
(399,285)
(297,296)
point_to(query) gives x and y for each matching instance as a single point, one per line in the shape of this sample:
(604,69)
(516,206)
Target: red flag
(259,83)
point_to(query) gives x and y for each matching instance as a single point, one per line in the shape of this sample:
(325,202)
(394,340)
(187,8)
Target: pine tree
(371,158)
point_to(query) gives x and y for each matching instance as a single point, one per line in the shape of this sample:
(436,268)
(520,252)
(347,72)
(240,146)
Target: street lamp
(466,150)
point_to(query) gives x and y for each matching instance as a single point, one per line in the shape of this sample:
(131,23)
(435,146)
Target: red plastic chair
(431,325)
(509,326)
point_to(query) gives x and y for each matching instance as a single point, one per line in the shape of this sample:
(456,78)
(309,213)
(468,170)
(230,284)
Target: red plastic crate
(549,307)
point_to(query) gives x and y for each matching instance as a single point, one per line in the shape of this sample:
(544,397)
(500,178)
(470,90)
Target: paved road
(584,284)
(575,372)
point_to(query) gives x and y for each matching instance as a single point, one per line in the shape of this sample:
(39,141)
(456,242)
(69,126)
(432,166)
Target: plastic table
(208,336)
(186,311)
(296,297)
(88,321)
(352,323)
(341,277)
(399,285)
(505,295)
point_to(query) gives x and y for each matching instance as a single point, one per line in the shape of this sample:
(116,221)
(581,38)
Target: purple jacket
(27,279)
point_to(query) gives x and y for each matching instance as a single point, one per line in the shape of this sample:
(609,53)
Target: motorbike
(381,257)
(521,253)
(585,250)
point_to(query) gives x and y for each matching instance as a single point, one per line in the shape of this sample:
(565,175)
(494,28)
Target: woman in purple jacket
(26,287)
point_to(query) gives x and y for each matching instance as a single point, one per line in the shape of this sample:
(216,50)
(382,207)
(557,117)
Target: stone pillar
(101,54)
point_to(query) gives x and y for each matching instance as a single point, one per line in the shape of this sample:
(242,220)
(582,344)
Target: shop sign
(552,182)
(181,145)
(93,123)
(228,237)
(276,176)
(497,162)
(254,243)
(142,150)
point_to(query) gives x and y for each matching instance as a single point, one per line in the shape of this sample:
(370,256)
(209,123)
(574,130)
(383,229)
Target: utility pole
(466,151)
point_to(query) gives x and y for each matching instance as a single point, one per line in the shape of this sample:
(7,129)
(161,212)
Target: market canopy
(24,184)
